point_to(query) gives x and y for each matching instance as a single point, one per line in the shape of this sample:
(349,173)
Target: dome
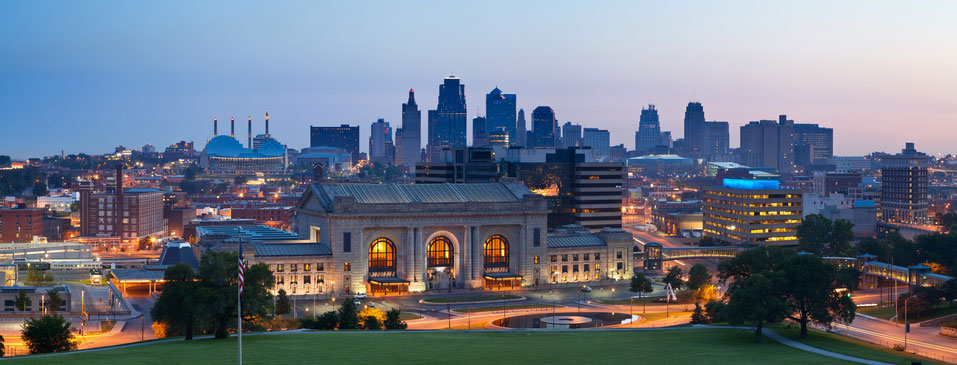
(272,148)
(225,146)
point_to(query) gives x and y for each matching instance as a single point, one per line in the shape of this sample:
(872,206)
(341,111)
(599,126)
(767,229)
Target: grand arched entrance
(440,262)
(382,269)
(495,261)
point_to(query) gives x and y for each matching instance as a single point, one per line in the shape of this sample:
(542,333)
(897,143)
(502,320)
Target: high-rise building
(129,213)
(543,127)
(500,112)
(480,132)
(411,141)
(345,137)
(648,135)
(381,148)
(447,123)
(768,143)
(470,165)
(521,130)
(498,137)
(600,142)
(820,139)
(904,182)
(752,212)
(694,129)
(716,141)
(571,135)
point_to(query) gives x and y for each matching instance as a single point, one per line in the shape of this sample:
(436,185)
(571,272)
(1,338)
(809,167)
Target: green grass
(842,345)
(471,298)
(406,316)
(507,308)
(720,346)
(888,312)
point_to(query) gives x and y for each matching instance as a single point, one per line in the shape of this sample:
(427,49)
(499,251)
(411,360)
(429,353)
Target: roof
(137,275)
(575,240)
(256,232)
(426,193)
(179,252)
(292,249)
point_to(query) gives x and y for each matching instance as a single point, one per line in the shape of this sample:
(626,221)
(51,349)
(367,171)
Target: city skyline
(83,70)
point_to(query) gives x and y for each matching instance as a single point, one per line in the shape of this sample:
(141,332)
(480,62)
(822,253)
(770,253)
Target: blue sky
(87,76)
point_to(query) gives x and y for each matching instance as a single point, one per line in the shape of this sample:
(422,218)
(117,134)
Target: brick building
(20,225)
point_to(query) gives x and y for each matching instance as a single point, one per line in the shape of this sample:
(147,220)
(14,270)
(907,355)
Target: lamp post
(906,324)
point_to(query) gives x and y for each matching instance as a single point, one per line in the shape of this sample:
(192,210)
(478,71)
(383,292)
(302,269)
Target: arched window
(496,253)
(440,252)
(382,258)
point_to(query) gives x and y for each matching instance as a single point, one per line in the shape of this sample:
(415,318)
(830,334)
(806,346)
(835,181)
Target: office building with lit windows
(752,212)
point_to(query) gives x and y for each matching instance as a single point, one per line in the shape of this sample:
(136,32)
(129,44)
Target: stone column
(418,268)
(522,253)
(410,255)
(465,265)
(477,256)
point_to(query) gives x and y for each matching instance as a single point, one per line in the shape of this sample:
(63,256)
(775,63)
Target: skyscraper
(345,137)
(500,112)
(716,140)
(381,148)
(649,130)
(571,135)
(820,139)
(410,141)
(694,129)
(768,143)
(447,123)
(479,132)
(521,131)
(600,142)
(904,183)
(543,127)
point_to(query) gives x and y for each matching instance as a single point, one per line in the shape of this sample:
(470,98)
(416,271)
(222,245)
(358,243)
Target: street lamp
(906,324)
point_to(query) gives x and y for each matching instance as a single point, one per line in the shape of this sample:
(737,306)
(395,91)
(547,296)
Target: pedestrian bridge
(654,254)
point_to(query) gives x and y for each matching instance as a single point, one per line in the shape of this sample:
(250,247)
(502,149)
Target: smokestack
(267,124)
(215,126)
(232,127)
(118,204)
(250,134)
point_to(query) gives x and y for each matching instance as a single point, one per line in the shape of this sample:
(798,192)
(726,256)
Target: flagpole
(239,300)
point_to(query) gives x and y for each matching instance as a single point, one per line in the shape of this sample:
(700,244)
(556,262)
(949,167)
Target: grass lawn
(720,346)
(888,312)
(406,316)
(507,307)
(843,345)
(471,298)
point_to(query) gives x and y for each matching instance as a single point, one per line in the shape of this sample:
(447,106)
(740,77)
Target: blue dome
(225,146)
(272,148)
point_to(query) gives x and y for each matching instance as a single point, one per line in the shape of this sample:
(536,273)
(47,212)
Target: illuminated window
(346,266)
(279,268)
(496,253)
(440,252)
(382,258)
(305,267)
(536,259)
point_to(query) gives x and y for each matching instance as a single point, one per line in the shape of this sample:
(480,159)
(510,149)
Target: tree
(348,319)
(53,300)
(752,261)
(371,312)
(808,285)
(327,321)
(950,290)
(371,323)
(641,284)
(22,301)
(37,277)
(283,306)
(219,280)
(50,333)
(258,282)
(179,305)
(716,311)
(698,277)
(848,278)
(757,300)
(40,189)
(393,320)
(821,236)
(190,172)
(3,349)
(705,294)
(674,278)
(698,316)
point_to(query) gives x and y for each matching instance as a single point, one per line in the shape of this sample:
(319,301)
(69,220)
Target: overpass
(917,275)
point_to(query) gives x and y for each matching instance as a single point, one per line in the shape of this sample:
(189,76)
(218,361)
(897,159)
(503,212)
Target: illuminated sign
(751,184)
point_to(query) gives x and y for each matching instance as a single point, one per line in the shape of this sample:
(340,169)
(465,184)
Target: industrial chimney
(250,134)
(215,126)
(232,127)
(267,124)
(118,204)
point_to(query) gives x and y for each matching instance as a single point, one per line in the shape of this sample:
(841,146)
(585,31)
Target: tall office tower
(666,139)
(600,142)
(752,212)
(411,141)
(500,112)
(521,131)
(768,143)
(820,139)
(479,132)
(904,183)
(716,141)
(543,127)
(381,149)
(649,130)
(571,135)
(498,137)
(447,123)
(345,137)
(694,129)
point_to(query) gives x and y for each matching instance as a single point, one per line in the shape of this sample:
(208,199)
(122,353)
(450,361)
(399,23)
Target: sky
(86,76)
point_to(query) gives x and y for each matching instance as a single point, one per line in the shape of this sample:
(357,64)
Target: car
(586,288)
(357,302)
(360,296)
(371,305)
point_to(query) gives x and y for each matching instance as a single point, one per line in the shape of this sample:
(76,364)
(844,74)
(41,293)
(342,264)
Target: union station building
(388,239)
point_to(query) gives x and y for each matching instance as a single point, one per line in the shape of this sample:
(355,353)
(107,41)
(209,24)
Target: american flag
(242,268)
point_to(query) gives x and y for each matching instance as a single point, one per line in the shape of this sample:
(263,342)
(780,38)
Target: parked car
(360,296)
(586,288)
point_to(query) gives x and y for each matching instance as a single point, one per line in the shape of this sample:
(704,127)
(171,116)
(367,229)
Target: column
(522,253)
(465,266)
(477,257)
(410,254)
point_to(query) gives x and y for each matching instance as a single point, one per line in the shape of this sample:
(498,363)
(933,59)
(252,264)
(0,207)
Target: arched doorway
(495,258)
(440,263)
(382,269)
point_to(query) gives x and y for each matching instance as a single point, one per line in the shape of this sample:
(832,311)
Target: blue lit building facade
(752,212)
(448,122)
(500,113)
